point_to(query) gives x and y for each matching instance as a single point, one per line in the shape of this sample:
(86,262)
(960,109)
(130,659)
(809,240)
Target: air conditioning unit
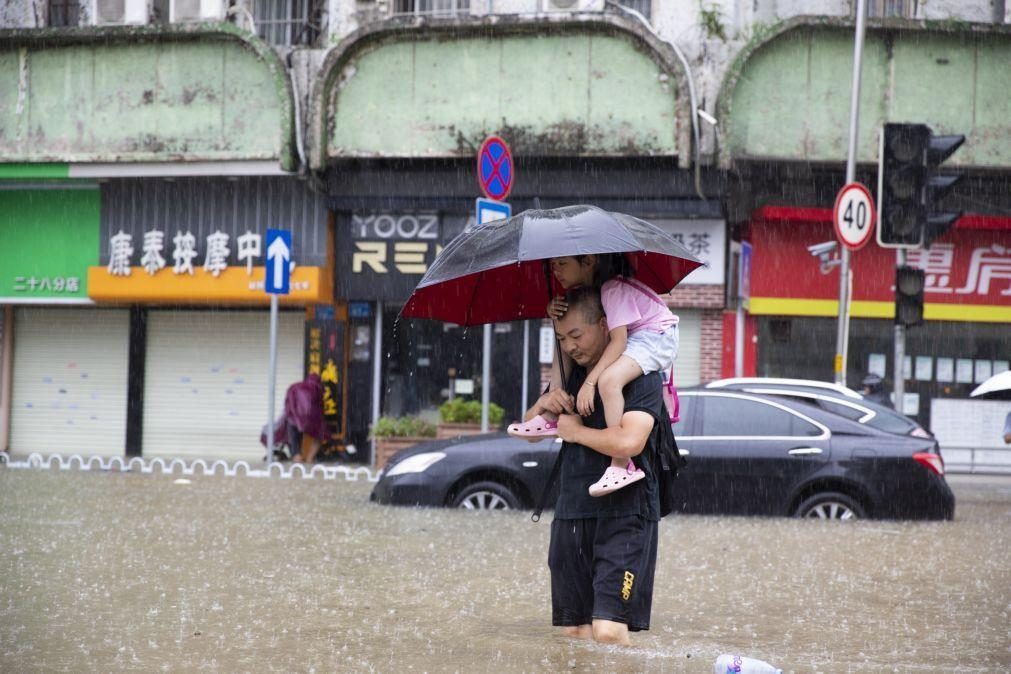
(181,11)
(573,6)
(118,12)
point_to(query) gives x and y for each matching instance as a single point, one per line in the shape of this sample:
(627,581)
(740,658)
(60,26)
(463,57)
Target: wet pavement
(109,571)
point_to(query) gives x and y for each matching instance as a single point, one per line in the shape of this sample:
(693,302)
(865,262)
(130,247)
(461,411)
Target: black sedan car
(748,454)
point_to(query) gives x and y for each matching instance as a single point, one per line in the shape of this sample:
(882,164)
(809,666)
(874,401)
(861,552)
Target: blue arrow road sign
(278,272)
(489,210)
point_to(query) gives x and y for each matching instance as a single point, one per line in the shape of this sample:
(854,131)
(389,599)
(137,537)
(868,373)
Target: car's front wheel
(486,496)
(830,505)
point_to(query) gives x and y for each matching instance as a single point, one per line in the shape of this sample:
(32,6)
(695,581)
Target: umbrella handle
(558,346)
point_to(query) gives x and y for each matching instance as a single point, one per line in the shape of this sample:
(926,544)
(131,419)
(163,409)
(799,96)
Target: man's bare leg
(610,632)
(601,631)
(578,632)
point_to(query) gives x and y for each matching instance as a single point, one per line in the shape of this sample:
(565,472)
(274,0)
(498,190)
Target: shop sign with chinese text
(706,239)
(177,266)
(50,238)
(324,350)
(968,274)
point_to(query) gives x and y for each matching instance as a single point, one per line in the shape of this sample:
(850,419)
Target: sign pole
(841,344)
(377,374)
(272,381)
(495,173)
(276,281)
(898,367)
(485,377)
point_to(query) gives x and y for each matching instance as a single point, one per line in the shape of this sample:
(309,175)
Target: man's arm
(555,401)
(623,441)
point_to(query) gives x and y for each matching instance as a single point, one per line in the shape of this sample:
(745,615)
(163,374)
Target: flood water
(108,571)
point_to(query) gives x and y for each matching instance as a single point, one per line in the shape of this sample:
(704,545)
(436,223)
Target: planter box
(387,447)
(447,430)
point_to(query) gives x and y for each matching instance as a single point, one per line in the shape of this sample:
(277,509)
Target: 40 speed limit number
(854,216)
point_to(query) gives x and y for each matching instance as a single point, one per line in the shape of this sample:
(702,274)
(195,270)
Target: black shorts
(602,569)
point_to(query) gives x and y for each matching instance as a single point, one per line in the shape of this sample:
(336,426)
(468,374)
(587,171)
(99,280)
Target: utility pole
(845,275)
(898,367)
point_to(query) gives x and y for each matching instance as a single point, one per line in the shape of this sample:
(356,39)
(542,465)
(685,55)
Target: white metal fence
(994,460)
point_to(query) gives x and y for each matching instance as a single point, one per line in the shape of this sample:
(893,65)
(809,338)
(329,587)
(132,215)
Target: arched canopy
(586,86)
(205,92)
(787,95)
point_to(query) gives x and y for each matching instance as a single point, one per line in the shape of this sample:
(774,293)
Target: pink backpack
(670,398)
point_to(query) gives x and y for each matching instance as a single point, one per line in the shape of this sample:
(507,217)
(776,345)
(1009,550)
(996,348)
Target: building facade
(355,124)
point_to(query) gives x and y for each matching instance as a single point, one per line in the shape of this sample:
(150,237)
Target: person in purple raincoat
(303,414)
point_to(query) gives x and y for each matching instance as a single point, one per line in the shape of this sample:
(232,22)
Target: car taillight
(931,461)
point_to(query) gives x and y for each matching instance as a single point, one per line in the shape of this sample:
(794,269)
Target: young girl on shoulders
(644,339)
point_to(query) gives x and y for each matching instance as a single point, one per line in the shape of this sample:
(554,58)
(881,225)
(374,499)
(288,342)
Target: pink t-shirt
(630,303)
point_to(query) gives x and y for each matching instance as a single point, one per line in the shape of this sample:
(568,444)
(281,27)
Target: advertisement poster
(945,369)
(324,350)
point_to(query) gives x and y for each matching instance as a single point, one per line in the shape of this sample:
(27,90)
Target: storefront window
(803,348)
(424,360)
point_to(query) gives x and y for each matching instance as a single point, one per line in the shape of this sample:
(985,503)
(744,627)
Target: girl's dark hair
(609,265)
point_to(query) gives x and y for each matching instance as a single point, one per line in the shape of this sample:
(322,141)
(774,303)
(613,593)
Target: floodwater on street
(110,571)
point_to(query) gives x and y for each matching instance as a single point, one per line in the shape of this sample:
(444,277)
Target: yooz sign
(854,216)
(395,226)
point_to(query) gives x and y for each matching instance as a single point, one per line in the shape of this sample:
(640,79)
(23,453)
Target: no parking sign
(495,168)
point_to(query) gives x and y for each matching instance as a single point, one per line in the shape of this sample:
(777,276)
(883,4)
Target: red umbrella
(496,272)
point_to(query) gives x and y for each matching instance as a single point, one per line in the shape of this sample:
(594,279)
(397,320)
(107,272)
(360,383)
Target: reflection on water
(125,571)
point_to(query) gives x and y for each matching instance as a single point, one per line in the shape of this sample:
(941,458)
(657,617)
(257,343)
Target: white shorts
(653,351)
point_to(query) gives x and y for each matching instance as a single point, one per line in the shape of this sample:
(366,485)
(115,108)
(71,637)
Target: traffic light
(909,284)
(908,185)
(938,185)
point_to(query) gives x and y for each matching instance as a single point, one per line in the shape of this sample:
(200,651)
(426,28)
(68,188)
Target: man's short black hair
(586,301)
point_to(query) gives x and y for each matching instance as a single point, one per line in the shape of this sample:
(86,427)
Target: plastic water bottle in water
(738,664)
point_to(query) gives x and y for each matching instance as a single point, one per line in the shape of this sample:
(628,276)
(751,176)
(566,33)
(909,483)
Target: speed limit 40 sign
(854,216)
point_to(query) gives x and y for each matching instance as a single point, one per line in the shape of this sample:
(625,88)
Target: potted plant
(395,433)
(463,417)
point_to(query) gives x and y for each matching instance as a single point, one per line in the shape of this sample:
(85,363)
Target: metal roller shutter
(688,365)
(205,386)
(69,381)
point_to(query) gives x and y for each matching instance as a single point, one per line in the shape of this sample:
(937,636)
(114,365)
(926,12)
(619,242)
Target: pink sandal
(537,427)
(614,479)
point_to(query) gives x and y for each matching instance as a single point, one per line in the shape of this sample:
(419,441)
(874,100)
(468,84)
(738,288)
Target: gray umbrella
(495,272)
